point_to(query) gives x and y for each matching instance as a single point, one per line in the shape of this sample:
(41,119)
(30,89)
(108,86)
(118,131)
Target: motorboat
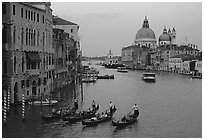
(122,69)
(149,77)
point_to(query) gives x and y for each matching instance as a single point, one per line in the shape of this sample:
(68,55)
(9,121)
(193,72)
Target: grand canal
(169,108)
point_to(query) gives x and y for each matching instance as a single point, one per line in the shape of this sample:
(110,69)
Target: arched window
(26,36)
(14,34)
(23,62)
(34,39)
(38,38)
(22,35)
(43,39)
(14,65)
(29,36)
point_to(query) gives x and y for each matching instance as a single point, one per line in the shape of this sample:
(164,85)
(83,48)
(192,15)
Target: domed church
(145,36)
(167,38)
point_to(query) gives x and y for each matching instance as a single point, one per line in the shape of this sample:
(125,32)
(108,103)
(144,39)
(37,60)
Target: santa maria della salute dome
(145,36)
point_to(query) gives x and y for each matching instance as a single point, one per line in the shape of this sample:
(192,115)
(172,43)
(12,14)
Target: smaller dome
(164,37)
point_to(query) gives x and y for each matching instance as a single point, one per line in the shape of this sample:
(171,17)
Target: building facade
(27,49)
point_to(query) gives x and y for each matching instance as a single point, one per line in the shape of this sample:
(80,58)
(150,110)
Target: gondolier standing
(111,106)
(93,105)
(135,109)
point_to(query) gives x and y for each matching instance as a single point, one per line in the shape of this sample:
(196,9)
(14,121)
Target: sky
(113,25)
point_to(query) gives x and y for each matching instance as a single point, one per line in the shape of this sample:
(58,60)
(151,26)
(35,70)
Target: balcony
(33,72)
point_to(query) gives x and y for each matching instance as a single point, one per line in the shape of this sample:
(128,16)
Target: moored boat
(58,113)
(45,102)
(122,69)
(104,116)
(81,115)
(149,77)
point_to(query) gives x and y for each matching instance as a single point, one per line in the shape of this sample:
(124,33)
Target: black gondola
(80,115)
(129,119)
(59,113)
(99,118)
(106,77)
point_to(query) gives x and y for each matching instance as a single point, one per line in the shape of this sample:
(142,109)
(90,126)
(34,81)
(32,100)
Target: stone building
(27,49)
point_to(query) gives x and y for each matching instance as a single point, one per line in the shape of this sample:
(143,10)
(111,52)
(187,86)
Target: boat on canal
(122,69)
(126,120)
(81,115)
(58,113)
(99,118)
(106,77)
(149,77)
(89,80)
(45,102)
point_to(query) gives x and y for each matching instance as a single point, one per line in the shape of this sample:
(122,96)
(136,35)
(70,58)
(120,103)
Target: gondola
(80,115)
(130,118)
(104,116)
(59,113)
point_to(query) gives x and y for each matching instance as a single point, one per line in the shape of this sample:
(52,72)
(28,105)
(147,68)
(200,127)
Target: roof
(59,21)
(130,47)
(180,56)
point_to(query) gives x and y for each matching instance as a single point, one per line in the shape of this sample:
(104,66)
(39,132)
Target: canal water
(169,108)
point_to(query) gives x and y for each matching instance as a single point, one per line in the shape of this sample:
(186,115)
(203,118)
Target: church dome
(145,32)
(164,36)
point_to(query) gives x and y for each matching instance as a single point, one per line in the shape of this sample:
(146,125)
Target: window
(43,19)
(3,8)
(29,36)
(14,34)
(27,83)
(34,15)
(14,67)
(26,36)
(26,13)
(43,39)
(71,30)
(27,92)
(31,15)
(39,81)
(38,38)
(22,35)
(38,91)
(14,9)
(34,38)
(23,63)
(21,12)
(37,17)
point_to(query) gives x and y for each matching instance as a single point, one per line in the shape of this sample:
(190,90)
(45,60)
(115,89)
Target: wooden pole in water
(5,105)
(23,105)
(8,98)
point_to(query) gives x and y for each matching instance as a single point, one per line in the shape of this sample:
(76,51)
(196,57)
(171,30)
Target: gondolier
(75,103)
(93,105)
(135,109)
(111,106)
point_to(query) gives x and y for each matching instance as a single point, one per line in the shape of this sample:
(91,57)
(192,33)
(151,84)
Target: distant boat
(113,66)
(45,102)
(122,69)
(149,77)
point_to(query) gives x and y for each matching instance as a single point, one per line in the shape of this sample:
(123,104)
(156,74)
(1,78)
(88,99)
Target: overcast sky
(113,25)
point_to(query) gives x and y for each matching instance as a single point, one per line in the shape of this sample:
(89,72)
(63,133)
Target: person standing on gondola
(135,109)
(93,105)
(111,107)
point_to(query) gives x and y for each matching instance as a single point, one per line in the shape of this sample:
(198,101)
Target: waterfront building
(198,68)
(67,60)
(110,59)
(27,49)
(127,56)
(145,36)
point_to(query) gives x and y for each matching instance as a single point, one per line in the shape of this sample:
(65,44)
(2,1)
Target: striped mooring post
(5,107)
(23,106)
(8,98)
